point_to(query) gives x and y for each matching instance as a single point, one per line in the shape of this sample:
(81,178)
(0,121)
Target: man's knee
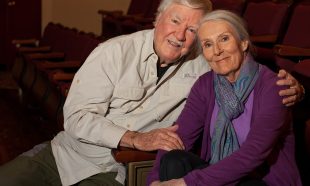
(17,171)
(103,179)
(34,167)
(174,164)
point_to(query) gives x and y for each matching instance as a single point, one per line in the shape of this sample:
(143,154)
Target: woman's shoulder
(203,84)
(206,78)
(267,76)
(266,82)
(265,72)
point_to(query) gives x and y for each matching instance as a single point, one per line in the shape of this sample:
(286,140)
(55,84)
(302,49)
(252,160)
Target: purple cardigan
(269,140)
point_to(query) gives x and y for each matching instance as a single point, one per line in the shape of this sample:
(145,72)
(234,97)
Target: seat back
(91,43)
(137,7)
(152,9)
(307,136)
(49,34)
(298,30)
(236,6)
(301,72)
(296,38)
(265,17)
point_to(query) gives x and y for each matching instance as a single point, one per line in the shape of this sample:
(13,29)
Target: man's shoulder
(136,37)
(197,64)
(141,40)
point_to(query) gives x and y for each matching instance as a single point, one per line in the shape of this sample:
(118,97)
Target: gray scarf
(231,99)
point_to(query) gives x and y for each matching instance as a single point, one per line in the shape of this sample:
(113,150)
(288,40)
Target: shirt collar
(148,48)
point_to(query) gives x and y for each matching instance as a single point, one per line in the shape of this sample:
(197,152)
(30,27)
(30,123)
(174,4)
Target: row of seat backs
(69,40)
(140,15)
(41,75)
(278,18)
(288,23)
(271,23)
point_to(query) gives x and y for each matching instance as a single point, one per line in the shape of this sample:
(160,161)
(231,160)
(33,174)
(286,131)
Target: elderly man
(128,93)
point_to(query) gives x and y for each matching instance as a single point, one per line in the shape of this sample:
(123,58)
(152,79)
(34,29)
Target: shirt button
(158,118)
(78,81)
(128,126)
(152,73)
(141,107)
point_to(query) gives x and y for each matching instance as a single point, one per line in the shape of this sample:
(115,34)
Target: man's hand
(173,182)
(296,91)
(163,138)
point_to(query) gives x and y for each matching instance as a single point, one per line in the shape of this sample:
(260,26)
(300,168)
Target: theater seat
(235,6)
(296,42)
(140,15)
(265,21)
(138,164)
(307,137)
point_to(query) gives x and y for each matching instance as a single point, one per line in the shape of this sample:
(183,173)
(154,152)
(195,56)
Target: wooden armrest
(59,64)
(113,13)
(51,55)
(61,76)
(126,155)
(285,50)
(144,20)
(136,17)
(264,38)
(19,42)
(34,49)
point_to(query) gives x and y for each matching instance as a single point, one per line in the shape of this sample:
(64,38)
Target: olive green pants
(38,168)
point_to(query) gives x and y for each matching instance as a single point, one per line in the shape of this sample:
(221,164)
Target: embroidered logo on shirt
(188,75)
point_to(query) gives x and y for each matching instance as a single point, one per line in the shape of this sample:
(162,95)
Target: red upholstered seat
(140,15)
(236,6)
(265,20)
(296,42)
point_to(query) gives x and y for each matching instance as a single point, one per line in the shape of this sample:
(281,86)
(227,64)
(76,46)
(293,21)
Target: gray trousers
(38,168)
(177,163)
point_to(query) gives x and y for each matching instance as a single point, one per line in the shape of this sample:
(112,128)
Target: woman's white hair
(235,22)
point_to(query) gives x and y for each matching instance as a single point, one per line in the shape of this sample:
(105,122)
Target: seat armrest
(264,38)
(285,50)
(114,13)
(126,155)
(61,76)
(51,55)
(59,64)
(20,42)
(34,49)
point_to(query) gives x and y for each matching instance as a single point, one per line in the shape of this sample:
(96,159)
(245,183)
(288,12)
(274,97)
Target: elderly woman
(236,111)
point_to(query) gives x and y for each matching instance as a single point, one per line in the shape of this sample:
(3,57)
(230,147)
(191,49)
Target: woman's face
(222,49)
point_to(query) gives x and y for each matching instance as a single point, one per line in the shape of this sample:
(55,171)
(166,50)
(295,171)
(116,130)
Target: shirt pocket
(125,98)
(180,86)
(128,93)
